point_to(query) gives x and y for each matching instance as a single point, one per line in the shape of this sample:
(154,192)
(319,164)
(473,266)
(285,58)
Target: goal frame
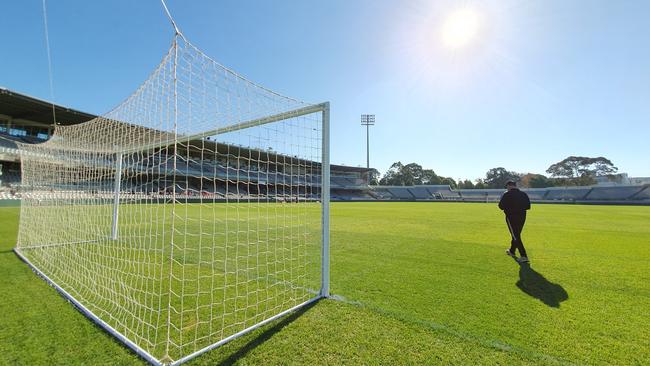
(324,292)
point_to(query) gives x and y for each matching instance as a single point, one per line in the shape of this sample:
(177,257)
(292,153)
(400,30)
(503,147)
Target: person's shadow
(534,284)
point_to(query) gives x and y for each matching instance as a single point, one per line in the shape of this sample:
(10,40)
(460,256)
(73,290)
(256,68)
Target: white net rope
(218,225)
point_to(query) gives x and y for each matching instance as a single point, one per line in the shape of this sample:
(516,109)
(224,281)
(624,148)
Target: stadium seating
(443,192)
(344,181)
(7,195)
(613,193)
(381,193)
(643,194)
(350,195)
(567,193)
(401,193)
(481,194)
(7,144)
(420,192)
(536,194)
(10,178)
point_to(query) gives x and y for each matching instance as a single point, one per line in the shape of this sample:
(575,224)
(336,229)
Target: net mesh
(187,214)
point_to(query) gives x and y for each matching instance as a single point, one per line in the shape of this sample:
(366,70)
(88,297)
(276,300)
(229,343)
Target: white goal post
(194,212)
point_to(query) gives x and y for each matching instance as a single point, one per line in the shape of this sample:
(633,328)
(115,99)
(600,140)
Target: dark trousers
(516,225)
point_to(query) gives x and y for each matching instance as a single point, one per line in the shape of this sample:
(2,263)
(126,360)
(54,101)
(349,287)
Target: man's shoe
(523,260)
(508,252)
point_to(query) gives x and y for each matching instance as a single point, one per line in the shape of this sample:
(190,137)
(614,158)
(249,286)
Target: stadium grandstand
(25,119)
(622,194)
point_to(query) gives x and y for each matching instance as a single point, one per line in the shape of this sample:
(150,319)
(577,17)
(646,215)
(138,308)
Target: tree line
(572,171)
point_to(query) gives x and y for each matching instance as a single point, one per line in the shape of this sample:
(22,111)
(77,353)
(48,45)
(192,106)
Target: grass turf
(416,283)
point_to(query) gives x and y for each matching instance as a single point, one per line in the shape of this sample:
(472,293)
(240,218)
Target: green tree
(581,170)
(373,176)
(412,174)
(403,175)
(393,175)
(480,184)
(450,182)
(531,180)
(497,177)
(430,177)
(465,184)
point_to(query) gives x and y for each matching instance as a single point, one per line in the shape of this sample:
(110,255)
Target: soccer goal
(193,213)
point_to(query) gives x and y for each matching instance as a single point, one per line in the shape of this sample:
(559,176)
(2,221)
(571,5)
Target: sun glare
(460,28)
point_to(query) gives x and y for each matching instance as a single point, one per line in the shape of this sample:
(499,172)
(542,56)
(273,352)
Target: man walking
(514,204)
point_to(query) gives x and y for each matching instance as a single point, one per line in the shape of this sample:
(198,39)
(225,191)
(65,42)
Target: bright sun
(460,28)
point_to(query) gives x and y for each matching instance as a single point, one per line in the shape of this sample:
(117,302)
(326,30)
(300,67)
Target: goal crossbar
(316,108)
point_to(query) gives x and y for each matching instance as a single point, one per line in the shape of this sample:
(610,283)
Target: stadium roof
(24,107)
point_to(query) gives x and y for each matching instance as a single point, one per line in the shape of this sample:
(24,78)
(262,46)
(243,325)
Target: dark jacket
(514,202)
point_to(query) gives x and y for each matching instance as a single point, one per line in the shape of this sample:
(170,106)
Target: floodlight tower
(368,120)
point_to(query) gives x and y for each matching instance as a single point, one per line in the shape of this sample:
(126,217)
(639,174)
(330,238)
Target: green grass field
(414,283)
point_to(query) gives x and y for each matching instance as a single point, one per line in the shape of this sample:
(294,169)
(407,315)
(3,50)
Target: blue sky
(541,80)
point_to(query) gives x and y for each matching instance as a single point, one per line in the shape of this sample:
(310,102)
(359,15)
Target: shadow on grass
(266,335)
(536,285)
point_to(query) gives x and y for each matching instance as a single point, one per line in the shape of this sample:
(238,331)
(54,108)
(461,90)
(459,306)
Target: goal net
(192,213)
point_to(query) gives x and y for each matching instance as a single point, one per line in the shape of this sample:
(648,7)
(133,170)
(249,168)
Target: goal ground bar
(137,349)
(141,352)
